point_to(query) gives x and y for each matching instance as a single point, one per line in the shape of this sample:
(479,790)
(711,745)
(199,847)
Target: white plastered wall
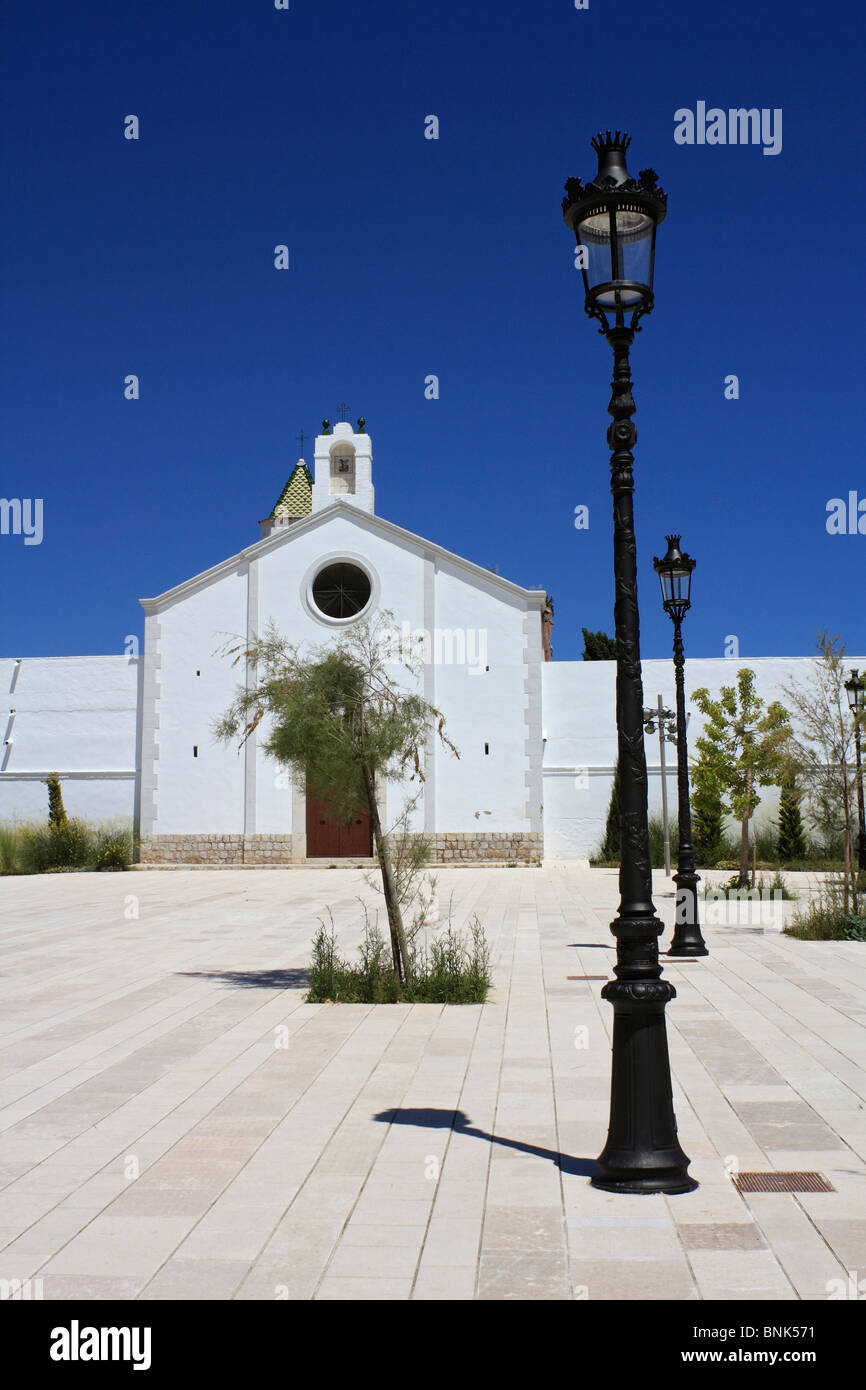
(72,715)
(579,720)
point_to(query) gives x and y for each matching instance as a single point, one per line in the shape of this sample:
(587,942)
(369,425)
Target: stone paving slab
(177,1123)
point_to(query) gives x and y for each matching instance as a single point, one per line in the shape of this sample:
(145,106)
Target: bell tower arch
(343,467)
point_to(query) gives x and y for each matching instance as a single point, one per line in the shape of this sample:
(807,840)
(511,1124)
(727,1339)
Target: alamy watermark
(444,646)
(21,1289)
(846,517)
(740,906)
(22,516)
(736,126)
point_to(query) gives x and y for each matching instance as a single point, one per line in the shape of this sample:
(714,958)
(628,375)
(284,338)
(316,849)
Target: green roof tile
(296,498)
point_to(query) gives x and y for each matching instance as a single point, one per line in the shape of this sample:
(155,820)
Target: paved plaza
(177,1123)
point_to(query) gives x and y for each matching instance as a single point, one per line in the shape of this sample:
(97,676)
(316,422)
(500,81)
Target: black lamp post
(675,576)
(614,218)
(856,688)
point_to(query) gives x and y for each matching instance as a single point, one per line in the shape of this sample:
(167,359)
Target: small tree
(823,750)
(56,810)
(792,837)
(742,746)
(339,720)
(611,847)
(597,646)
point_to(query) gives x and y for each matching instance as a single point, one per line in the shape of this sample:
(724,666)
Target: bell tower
(343,467)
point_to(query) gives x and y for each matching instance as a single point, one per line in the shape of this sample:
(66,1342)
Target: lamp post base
(642,1153)
(687,938)
(672,1183)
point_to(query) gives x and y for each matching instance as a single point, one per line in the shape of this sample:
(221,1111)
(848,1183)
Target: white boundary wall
(75,715)
(78,716)
(579,719)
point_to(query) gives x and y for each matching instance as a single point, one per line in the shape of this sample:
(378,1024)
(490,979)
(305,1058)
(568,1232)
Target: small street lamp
(675,576)
(614,220)
(665,721)
(856,688)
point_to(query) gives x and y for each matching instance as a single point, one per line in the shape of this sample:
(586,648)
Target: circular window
(341,590)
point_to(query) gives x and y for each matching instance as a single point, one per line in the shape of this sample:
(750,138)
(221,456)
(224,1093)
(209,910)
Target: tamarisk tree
(338,719)
(823,751)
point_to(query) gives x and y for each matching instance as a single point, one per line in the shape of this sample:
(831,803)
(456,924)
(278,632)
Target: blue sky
(409,257)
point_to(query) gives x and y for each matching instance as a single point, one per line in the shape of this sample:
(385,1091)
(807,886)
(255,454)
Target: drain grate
(782,1182)
(587,977)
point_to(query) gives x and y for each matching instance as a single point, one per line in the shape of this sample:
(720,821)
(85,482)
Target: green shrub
(777,887)
(831,916)
(112,849)
(455,971)
(10,849)
(608,855)
(64,845)
(610,845)
(791,843)
(708,821)
(452,971)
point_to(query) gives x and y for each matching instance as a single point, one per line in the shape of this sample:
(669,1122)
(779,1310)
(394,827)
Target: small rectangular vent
(782,1182)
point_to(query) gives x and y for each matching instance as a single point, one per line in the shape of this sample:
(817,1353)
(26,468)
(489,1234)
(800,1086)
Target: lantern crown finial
(619,140)
(611,156)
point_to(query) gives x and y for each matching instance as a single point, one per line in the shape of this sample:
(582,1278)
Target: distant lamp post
(614,219)
(856,688)
(665,721)
(675,576)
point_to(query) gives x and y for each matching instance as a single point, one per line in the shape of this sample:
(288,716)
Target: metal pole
(861,840)
(664,787)
(642,1153)
(687,938)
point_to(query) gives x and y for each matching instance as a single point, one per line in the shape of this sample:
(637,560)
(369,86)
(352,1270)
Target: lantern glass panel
(630,259)
(634,234)
(676,585)
(594,233)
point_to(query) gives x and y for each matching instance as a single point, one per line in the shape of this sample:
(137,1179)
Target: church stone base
(216,849)
(520,847)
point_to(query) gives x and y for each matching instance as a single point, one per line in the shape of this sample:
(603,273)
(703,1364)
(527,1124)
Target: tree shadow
(254,979)
(459,1121)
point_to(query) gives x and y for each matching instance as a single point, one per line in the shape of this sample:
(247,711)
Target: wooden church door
(330,838)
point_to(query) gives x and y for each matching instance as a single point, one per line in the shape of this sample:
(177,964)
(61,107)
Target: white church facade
(131,735)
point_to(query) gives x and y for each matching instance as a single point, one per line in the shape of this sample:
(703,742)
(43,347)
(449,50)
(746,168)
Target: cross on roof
(344,411)
(302,437)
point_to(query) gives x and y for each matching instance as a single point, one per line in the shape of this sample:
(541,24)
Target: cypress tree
(792,837)
(610,845)
(56,809)
(708,819)
(597,646)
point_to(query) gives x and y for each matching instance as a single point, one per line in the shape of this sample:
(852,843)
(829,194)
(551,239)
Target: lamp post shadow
(459,1121)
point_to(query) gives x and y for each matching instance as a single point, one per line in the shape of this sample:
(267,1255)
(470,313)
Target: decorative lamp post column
(614,219)
(664,718)
(856,688)
(675,575)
